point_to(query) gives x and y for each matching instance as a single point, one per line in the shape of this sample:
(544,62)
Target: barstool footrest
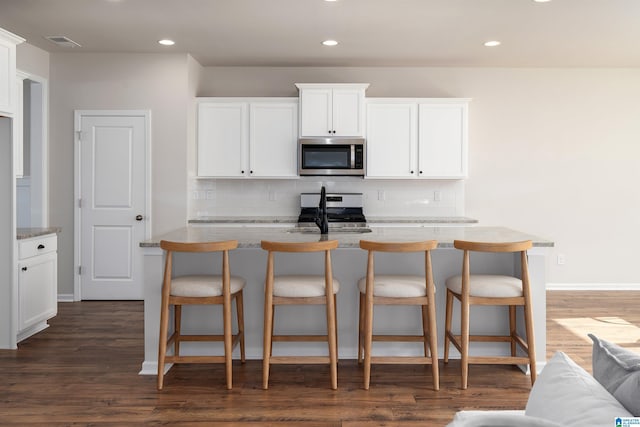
(290,360)
(303,338)
(390,360)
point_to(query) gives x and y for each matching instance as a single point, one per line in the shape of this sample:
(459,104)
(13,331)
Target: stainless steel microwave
(331,156)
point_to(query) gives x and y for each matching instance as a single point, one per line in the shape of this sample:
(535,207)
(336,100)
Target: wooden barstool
(200,289)
(482,289)
(398,290)
(300,289)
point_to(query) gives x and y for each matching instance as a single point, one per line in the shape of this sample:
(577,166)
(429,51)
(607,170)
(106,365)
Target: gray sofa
(566,395)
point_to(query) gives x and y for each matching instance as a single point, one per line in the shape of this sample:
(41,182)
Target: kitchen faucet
(321,219)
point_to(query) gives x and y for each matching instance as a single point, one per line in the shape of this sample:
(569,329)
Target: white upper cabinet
(247,137)
(331,109)
(417,138)
(223,139)
(442,139)
(392,139)
(273,137)
(8,42)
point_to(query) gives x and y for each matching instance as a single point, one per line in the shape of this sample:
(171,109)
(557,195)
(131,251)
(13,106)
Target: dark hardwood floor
(83,370)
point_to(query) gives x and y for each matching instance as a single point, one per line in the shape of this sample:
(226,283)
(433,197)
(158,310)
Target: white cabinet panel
(8,42)
(443,140)
(37,283)
(331,109)
(223,139)
(18,128)
(392,139)
(348,112)
(248,137)
(316,117)
(273,137)
(37,294)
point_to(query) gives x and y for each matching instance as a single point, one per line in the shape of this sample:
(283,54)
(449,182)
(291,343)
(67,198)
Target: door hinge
(79,134)
(79,270)
(80,202)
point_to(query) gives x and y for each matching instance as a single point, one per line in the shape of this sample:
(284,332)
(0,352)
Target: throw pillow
(618,370)
(566,394)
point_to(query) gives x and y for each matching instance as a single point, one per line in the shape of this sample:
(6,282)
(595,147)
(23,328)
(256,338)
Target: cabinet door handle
(139,217)
(412,172)
(41,246)
(24,268)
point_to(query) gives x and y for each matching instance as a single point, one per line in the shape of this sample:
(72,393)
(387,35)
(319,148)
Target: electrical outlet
(272,196)
(561,259)
(195,195)
(210,195)
(437,196)
(381,195)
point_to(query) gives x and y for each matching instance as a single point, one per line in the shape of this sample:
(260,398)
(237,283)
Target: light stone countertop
(26,233)
(294,220)
(250,237)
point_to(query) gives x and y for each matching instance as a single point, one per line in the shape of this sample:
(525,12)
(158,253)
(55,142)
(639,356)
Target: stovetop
(342,208)
(354,215)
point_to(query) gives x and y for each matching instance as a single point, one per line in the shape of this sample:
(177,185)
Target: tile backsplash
(255,197)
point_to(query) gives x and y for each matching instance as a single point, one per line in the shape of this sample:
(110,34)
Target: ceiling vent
(62,41)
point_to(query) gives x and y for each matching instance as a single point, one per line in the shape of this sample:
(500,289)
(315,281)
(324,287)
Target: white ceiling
(560,33)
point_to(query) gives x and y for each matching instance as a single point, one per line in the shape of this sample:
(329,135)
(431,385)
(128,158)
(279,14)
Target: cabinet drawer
(37,246)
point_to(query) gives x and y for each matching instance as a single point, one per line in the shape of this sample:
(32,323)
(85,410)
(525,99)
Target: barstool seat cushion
(203,285)
(487,286)
(301,286)
(395,286)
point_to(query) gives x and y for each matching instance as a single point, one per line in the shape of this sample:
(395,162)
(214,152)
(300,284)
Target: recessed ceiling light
(166,42)
(329,42)
(492,43)
(541,1)
(331,0)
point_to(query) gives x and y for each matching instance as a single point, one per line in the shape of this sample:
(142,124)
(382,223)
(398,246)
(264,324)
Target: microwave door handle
(353,156)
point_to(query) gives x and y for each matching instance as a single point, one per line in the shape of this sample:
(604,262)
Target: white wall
(119,81)
(553,152)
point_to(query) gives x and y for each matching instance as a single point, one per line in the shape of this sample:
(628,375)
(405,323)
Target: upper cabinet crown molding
(8,42)
(328,110)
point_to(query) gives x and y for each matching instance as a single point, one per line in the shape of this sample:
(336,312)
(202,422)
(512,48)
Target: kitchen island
(349,264)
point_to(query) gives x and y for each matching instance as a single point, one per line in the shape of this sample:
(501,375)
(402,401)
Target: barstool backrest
(493,246)
(324,245)
(225,245)
(421,246)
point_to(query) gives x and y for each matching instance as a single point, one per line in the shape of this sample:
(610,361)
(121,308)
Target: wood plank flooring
(83,370)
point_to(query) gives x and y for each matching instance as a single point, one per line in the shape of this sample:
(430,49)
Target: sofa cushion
(498,419)
(566,394)
(618,370)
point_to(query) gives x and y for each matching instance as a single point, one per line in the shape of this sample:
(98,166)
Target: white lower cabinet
(37,283)
(247,138)
(417,138)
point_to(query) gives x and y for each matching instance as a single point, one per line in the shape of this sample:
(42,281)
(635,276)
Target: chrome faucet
(321,219)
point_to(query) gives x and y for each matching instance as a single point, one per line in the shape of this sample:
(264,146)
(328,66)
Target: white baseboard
(593,286)
(65,298)
(151,368)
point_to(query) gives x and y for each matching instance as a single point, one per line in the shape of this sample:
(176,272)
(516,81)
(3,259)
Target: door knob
(138,217)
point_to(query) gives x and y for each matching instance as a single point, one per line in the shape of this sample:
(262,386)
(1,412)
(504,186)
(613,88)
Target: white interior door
(112,205)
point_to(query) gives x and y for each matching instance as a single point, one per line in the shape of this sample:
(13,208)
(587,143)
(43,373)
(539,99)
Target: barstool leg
(228,342)
(512,329)
(447,325)
(333,339)
(177,325)
(528,318)
(268,322)
(464,328)
(240,313)
(162,343)
(360,326)
(425,330)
